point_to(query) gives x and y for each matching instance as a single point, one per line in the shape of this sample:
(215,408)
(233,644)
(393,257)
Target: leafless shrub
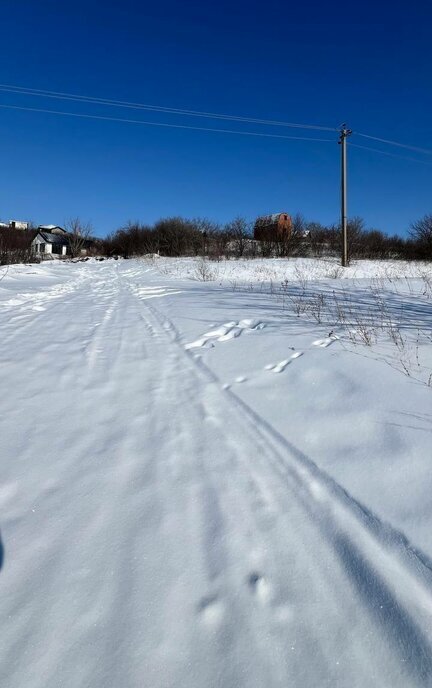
(335,272)
(316,306)
(427,283)
(362,333)
(203,271)
(301,276)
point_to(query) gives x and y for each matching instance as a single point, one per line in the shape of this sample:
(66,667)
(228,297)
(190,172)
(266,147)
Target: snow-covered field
(216,474)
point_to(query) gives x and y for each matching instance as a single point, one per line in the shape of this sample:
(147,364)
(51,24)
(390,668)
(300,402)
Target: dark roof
(49,228)
(54,238)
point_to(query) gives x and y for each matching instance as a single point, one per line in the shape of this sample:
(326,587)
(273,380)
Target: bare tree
(214,240)
(178,237)
(79,234)
(316,238)
(239,231)
(421,232)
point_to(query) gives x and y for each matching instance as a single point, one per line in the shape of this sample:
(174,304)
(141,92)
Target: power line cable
(426,151)
(103,101)
(22,90)
(154,108)
(391,155)
(164,124)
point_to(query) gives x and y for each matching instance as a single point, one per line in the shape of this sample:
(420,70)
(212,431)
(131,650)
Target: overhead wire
(9,88)
(417,149)
(164,124)
(392,155)
(5,88)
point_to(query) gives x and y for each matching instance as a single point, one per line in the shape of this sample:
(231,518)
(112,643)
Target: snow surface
(173,513)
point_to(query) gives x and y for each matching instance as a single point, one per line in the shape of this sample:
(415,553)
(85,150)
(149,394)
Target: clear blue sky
(369,64)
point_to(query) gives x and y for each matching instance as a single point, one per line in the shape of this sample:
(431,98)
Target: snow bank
(296,269)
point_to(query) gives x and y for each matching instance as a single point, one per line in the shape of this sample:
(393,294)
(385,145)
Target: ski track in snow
(159,533)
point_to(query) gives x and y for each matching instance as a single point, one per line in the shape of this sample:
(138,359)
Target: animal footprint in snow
(236,329)
(259,586)
(232,334)
(323,343)
(220,331)
(211,610)
(251,324)
(225,332)
(200,344)
(280,367)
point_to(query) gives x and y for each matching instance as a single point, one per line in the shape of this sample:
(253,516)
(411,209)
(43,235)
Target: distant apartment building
(15,224)
(19,224)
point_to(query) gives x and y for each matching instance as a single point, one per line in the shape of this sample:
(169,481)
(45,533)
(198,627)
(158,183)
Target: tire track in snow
(31,307)
(322,500)
(110,598)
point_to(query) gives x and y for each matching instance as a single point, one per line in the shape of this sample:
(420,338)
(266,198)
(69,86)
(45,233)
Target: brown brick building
(276,227)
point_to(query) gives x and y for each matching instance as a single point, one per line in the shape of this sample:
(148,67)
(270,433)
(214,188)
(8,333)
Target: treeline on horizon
(177,236)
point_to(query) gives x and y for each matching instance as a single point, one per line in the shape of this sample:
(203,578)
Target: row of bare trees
(176,236)
(372,243)
(15,245)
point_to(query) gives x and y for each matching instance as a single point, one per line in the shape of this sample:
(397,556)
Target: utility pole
(342,141)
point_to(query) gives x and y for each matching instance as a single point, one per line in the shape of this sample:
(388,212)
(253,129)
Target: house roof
(54,238)
(269,219)
(47,228)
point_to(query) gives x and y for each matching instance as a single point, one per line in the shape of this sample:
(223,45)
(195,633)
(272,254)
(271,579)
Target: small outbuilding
(48,243)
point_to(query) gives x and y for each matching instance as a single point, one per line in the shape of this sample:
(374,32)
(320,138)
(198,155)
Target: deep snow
(203,484)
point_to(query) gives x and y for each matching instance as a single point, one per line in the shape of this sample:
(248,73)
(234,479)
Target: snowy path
(158,533)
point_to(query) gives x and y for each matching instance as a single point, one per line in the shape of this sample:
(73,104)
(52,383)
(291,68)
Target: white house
(47,243)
